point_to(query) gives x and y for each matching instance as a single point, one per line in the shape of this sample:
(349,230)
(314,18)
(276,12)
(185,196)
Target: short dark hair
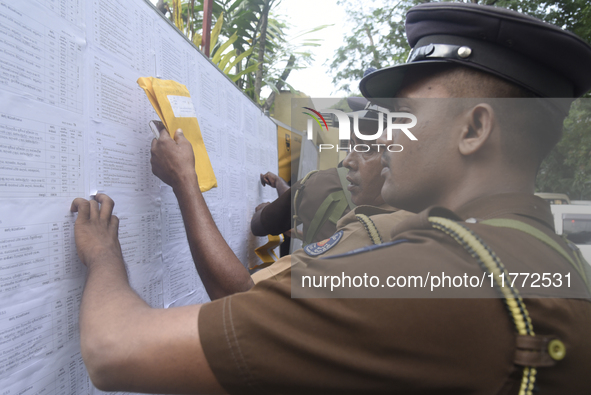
(460,81)
(529,123)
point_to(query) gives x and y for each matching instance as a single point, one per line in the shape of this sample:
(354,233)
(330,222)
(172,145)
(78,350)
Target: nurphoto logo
(406,121)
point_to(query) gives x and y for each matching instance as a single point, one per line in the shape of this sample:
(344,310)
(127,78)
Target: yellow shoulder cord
(582,261)
(370,227)
(579,263)
(331,209)
(295,205)
(489,261)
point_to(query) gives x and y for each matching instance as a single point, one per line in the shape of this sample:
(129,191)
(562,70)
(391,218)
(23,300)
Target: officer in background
(468,158)
(274,181)
(335,199)
(277,217)
(322,197)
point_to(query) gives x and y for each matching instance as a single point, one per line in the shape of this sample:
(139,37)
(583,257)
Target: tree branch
(374,51)
(261,56)
(281,82)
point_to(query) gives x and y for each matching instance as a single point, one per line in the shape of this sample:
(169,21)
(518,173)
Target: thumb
(178,135)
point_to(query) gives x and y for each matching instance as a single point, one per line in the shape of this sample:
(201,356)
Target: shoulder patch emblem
(367,249)
(321,247)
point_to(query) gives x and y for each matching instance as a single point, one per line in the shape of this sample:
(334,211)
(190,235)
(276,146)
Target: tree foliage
(248,43)
(568,167)
(377,39)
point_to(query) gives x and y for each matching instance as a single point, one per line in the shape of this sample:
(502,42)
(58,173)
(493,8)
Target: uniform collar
(508,204)
(364,209)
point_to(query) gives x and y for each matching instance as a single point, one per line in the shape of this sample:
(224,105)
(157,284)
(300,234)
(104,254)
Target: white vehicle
(554,198)
(574,221)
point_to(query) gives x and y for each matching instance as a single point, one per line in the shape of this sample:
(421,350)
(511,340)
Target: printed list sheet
(73,121)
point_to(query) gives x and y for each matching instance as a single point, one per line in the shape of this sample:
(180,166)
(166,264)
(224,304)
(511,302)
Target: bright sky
(304,15)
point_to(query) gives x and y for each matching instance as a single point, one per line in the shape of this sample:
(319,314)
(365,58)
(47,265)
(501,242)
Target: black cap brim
(384,84)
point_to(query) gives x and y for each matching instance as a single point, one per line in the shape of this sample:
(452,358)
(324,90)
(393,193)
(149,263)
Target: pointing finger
(114,223)
(94,210)
(107,205)
(82,207)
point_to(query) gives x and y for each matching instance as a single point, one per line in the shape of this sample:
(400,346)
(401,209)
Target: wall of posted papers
(73,121)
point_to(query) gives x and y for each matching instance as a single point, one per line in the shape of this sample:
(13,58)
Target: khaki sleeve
(263,341)
(272,271)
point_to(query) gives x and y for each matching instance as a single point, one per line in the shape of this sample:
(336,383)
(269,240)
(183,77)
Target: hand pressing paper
(173,105)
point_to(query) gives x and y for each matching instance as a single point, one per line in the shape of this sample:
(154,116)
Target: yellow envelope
(173,105)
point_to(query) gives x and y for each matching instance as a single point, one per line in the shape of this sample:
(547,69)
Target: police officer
(468,159)
(322,197)
(357,183)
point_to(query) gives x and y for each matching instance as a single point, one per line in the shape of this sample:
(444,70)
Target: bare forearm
(107,286)
(107,309)
(128,346)
(256,226)
(282,186)
(220,270)
(107,294)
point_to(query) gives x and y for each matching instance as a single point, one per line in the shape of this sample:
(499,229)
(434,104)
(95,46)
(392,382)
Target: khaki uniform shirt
(263,341)
(276,217)
(311,195)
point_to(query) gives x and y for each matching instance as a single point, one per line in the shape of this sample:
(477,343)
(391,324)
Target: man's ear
(477,127)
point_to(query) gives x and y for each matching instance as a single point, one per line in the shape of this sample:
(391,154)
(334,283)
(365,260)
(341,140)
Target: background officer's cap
(362,108)
(538,56)
(367,114)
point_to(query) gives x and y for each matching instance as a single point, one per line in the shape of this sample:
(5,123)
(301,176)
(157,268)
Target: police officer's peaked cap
(546,60)
(357,103)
